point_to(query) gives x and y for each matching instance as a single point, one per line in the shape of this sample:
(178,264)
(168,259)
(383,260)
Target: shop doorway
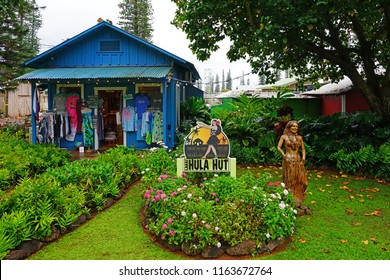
(111,108)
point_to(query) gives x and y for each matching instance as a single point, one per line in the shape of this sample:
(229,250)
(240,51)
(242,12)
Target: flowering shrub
(218,210)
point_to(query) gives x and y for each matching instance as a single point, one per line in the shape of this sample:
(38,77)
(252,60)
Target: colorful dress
(87,129)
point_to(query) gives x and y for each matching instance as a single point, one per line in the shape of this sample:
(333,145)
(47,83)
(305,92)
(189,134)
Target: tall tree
(20,21)
(136,17)
(261,80)
(313,38)
(217,85)
(242,79)
(229,82)
(223,80)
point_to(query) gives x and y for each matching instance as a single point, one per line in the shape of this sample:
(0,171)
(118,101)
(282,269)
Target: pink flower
(171,232)
(213,194)
(173,193)
(183,174)
(159,180)
(164,176)
(207,225)
(270,184)
(216,199)
(169,221)
(164,226)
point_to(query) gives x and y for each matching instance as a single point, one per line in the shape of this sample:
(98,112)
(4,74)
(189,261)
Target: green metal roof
(96,73)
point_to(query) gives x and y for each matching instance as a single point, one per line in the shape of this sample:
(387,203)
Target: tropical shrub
(21,160)
(58,197)
(192,110)
(249,119)
(366,160)
(327,135)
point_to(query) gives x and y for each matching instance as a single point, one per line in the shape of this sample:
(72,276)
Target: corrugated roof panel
(97,73)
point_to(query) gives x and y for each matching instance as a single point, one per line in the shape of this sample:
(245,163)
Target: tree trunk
(375,91)
(380,102)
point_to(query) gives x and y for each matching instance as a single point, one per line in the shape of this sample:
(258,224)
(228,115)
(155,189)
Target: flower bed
(222,214)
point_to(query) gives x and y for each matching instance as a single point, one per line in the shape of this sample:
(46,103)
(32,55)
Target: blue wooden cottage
(106,85)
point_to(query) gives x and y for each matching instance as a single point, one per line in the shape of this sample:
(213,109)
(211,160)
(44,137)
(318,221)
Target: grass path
(115,234)
(350,220)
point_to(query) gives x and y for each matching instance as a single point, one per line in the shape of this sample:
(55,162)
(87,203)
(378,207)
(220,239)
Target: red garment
(71,105)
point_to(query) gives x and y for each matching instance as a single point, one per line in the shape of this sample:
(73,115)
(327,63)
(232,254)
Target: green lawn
(350,220)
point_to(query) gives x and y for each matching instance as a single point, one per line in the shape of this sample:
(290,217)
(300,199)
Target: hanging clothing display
(87,127)
(142,103)
(52,127)
(71,106)
(146,122)
(157,127)
(129,119)
(59,103)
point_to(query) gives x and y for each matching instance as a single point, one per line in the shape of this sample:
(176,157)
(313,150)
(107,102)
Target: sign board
(206,149)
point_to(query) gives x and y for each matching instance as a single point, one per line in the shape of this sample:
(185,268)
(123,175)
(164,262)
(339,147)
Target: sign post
(206,149)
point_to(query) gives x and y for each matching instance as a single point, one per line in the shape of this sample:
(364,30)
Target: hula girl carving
(294,173)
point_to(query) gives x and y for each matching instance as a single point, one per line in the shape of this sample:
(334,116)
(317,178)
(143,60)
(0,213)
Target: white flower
(219,244)
(282,205)
(216,228)
(273,195)
(282,184)
(295,211)
(183,213)
(194,215)
(285,192)
(202,221)
(268,235)
(184,201)
(143,172)
(279,196)
(216,175)
(189,195)
(147,169)
(254,187)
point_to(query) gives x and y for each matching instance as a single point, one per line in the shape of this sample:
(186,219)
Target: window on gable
(109,46)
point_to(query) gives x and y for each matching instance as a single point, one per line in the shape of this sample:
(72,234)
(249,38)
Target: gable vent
(109,46)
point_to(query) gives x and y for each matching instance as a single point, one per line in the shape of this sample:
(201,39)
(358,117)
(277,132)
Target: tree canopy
(315,39)
(19,23)
(136,17)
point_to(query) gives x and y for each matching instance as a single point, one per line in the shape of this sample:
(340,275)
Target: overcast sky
(63,19)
